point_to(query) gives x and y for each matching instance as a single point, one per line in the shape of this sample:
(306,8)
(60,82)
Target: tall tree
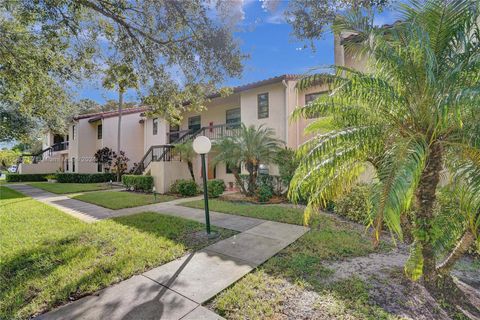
(417,108)
(180,50)
(120,77)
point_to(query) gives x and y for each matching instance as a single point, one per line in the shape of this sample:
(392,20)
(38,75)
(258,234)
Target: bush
(215,188)
(355,205)
(174,187)
(85,177)
(264,193)
(138,183)
(186,188)
(17,177)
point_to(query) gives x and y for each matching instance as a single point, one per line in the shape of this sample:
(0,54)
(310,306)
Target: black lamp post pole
(205,193)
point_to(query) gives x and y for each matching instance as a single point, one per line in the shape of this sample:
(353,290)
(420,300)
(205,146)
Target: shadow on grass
(189,233)
(21,272)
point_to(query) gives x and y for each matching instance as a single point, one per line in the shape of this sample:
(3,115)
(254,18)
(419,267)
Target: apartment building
(149,141)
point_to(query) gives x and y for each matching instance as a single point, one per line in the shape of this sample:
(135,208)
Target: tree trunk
(119,134)
(425,197)
(460,249)
(239,181)
(190,168)
(251,179)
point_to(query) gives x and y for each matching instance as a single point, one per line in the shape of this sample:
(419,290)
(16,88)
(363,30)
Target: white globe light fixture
(202,145)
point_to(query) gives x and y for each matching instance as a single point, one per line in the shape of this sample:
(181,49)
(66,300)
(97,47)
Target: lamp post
(202,146)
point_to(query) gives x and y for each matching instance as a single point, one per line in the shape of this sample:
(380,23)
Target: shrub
(287,164)
(51,177)
(264,193)
(85,177)
(186,188)
(138,183)
(17,177)
(355,205)
(215,188)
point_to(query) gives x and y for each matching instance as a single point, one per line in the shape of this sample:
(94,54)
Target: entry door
(211,169)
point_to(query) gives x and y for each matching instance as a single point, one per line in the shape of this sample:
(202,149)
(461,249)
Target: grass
(266,212)
(64,188)
(48,257)
(121,199)
(265,293)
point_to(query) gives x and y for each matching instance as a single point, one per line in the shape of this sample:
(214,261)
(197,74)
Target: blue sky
(267,39)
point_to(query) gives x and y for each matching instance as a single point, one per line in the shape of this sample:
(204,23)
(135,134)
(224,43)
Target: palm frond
(398,177)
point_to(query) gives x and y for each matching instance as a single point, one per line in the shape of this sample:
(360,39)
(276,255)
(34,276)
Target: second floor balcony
(61,146)
(213,132)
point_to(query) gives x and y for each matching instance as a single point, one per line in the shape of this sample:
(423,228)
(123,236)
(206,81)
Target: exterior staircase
(166,152)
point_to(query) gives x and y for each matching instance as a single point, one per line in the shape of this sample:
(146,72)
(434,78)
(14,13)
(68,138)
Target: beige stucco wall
(154,140)
(164,173)
(346,58)
(215,112)
(132,138)
(277,117)
(51,166)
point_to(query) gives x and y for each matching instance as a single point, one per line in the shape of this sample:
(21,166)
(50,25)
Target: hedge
(17,177)
(137,182)
(85,177)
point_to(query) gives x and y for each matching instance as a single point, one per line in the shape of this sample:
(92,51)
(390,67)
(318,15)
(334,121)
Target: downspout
(284,82)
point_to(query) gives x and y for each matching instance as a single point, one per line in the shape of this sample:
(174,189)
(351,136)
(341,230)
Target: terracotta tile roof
(107,114)
(260,83)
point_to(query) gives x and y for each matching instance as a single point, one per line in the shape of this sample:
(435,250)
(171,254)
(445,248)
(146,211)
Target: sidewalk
(177,289)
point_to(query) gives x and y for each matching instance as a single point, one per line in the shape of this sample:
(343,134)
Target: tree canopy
(178,49)
(311,19)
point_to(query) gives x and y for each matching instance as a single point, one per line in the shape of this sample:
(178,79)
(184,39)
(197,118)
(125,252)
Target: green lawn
(121,199)
(48,257)
(267,212)
(63,188)
(264,293)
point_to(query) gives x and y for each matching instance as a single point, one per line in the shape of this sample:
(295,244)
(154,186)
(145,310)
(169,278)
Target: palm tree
(228,153)
(252,147)
(121,76)
(187,154)
(417,107)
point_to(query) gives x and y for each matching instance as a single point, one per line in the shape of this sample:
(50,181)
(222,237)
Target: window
(174,135)
(155,126)
(73,164)
(311,97)
(233,117)
(73,132)
(66,164)
(99,167)
(99,131)
(194,123)
(262,101)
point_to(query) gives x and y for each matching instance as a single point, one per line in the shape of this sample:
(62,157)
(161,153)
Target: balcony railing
(59,146)
(156,153)
(212,132)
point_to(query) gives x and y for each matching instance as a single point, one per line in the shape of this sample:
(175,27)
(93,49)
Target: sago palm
(417,106)
(251,147)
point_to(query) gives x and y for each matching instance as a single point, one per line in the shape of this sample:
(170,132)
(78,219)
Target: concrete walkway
(178,289)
